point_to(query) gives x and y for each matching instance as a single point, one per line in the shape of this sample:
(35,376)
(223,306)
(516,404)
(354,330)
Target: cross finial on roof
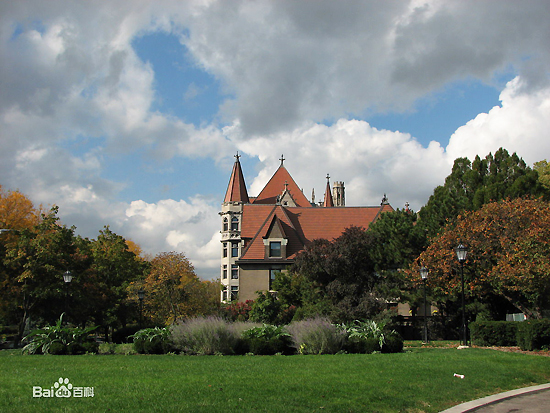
(282,159)
(237,156)
(328,178)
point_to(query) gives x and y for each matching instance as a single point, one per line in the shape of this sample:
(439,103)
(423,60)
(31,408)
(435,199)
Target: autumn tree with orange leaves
(173,291)
(509,255)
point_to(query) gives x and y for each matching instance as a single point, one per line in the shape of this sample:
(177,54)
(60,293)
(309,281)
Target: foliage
(238,310)
(534,334)
(174,291)
(58,339)
(509,245)
(316,336)
(337,279)
(473,184)
(543,169)
(265,309)
(153,341)
(494,333)
(205,335)
(267,339)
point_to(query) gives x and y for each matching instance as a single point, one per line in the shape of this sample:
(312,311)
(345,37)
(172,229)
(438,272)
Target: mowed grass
(417,380)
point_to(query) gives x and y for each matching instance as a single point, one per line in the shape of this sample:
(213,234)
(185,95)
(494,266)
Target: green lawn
(418,380)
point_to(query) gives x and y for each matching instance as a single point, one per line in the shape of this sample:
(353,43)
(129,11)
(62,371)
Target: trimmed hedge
(494,333)
(534,335)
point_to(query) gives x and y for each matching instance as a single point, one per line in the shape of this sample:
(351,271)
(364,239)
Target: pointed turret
(236,190)
(328,195)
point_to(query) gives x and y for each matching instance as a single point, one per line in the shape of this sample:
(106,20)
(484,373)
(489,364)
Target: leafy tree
(335,278)
(112,270)
(473,184)
(34,266)
(543,169)
(509,247)
(17,211)
(173,290)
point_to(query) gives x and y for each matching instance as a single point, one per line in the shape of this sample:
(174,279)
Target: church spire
(328,195)
(236,190)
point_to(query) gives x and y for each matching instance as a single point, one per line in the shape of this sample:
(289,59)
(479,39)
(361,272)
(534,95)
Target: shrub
(58,340)
(238,311)
(393,343)
(316,336)
(267,339)
(370,336)
(494,333)
(533,334)
(205,335)
(153,341)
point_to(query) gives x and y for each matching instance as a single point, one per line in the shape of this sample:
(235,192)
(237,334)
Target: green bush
(59,340)
(152,341)
(362,345)
(316,336)
(267,339)
(205,335)
(393,343)
(494,333)
(533,334)
(370,336)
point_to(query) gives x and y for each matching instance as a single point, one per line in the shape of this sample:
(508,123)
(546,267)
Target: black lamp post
(141,296)
(67,277)
(424,275)
(462,253)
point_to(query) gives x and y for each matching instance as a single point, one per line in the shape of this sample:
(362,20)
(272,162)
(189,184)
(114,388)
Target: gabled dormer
(275,241)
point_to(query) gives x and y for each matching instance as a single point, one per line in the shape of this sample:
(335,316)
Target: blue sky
(129,113)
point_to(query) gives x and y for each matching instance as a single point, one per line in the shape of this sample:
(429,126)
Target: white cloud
(519,125)
(70,75)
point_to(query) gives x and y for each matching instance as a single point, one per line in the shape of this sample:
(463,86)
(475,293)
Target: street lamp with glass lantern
(67,278)
(462,254)
(141,296)
(424,275)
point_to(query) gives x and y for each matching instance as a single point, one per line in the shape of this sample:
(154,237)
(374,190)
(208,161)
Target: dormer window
(275,249)
(234,224)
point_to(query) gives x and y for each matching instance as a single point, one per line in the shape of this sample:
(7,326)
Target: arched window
(234,224)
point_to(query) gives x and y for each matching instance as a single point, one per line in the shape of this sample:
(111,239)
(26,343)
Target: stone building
(261,236)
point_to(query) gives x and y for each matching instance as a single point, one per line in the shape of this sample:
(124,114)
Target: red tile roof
(301,225)
(236,190)
(276,186)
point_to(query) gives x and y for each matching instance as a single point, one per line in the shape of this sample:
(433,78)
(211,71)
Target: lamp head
(461,253)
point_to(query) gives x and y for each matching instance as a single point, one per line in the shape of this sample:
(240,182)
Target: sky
(128,113)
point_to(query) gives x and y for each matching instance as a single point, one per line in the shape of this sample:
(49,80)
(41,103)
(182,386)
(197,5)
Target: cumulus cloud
(520,125)
(301,78)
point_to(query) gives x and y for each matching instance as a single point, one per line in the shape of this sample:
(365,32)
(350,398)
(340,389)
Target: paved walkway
(534,399)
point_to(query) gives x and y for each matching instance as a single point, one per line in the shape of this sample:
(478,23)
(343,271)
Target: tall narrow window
(234,249)
(234,292)
(224,294)
(225,249)
(275,249)
(234,272)
(224,272)
(225,224)
(234,224)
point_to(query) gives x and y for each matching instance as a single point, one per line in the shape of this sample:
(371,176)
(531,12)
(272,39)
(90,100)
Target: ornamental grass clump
(316,336)
(205,335)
